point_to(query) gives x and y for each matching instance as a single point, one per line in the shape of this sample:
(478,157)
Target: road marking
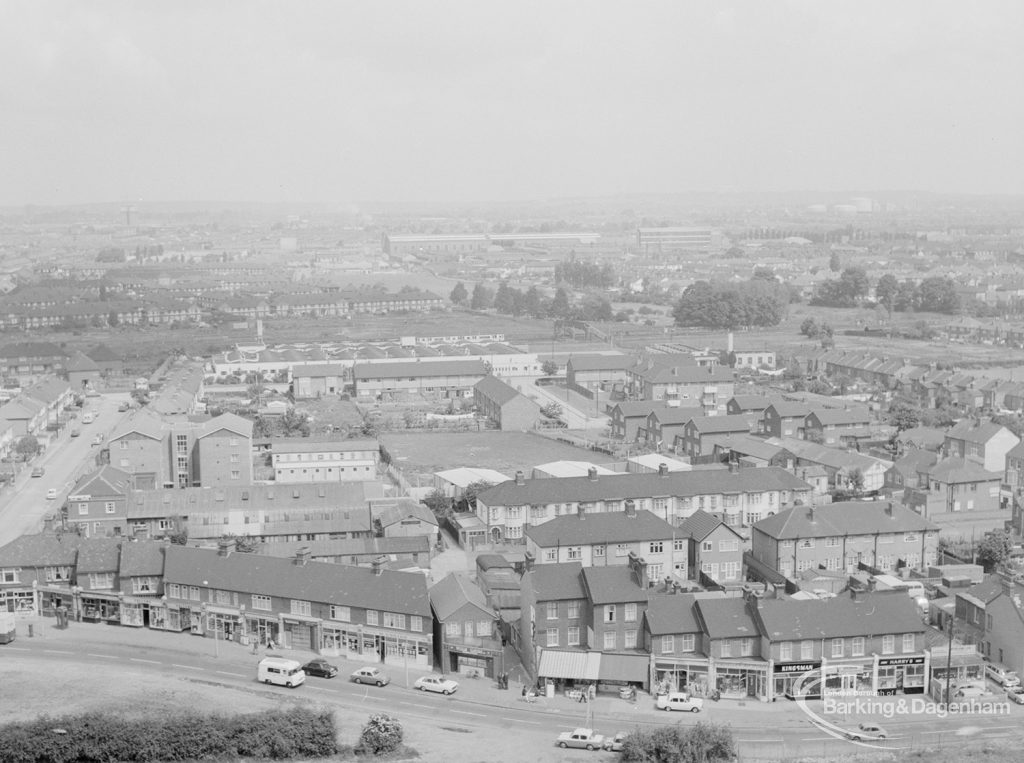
(185,667)
(225,673)
(16,649)
(322,688)
(139,659)
(765,741)
(519,720)
(104,656)
(415,704)
(816,739)
(57,651)
(466,712)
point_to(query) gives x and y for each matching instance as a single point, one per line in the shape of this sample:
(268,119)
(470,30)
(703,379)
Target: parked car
(122,407)
(867,731)
(75,432)
(51,493)
(615,743)
(440,684)
(320,667)
(97,440)
(680,701)
(38,471)
(969,690)
(1016,694)
(1002,676)
(374,676)
(582,739)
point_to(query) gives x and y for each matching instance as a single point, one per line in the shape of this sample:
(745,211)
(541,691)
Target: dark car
(321,668)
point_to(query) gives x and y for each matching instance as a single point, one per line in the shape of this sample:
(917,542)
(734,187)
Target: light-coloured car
(1003,677)
(679,701)
(1016,694)
(371,675)
(51,493)
(584,739)
(439,684)
(867,731)
(615,743)
(969,690)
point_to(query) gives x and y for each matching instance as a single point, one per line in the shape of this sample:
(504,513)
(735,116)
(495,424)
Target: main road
(23,505)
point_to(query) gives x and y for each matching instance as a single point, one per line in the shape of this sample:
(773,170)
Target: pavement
(87,638)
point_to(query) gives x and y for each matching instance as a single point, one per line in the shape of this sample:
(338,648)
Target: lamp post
(949,657)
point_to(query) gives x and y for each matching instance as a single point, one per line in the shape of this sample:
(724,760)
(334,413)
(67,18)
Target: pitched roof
(612,585)
(960,470)
(103,354)
(142,557)
(600,362)
(674,416)
(603,527)
(737,422)
(726,618)
(682,374)
(229,422)
(638,408)
(453,592)
(969,431)
(841,416)
(80,362)
(99,555)
(700,525)
(556,582)
(752,402)
(391,591)
(495,389)
(392,512)
(342,547)
(40,551)
(843,518)
(143,422)
(105,481)
(431,368)
(311,445)
(32,350)
(622,486)
(749,445)
(924,437)
(870,614)
(786,409)
(915,460)
(823,454)
(672,613)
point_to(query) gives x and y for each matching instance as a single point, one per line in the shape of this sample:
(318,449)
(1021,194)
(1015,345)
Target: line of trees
(511,301)
(934,295)
(758,302)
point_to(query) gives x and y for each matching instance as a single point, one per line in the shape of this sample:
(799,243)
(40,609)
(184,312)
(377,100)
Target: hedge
(100,737)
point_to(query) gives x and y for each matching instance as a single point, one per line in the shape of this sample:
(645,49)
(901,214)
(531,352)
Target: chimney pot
(662,470)
(302,555)
(378,564)
(225,546)
(520,479)
(581,512)
(592,474)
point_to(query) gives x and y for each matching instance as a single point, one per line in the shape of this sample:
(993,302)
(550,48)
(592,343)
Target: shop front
(559,671)
(223,623)
(788,680)
(23,602)
(178,618)
(954,666)
(902,675)
(623,671)
(848,677)
(356,643)
(101,607)
(299,632)
(470,660)
(262,629)
(140,612)
(741,679)
(680,675)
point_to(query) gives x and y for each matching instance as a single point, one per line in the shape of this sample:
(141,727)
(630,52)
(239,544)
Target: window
(371,617)
(83,508)
(598,551)
(746,647)
(679,544)
(668,644)
(630,616)
(551,555)
(235,474)
(707,546)
(393,620)
(574,635)
(630,639)
(574,610)
(786,651)
(193,593)
(888,644)
(831,542)
(908,642)
(857,647)
(552,610)
(609,639)
(173,591)
(101,580)
(452,628)
(146,584)
(263,602)
(234,458)
(656,547)
(233,441)
(108,507)
(688,642)
(299,607)
(609,613)
(726,649)
(416,623)
(342,614)
(730,570)
(838,646)
(654,571)
(806,650)
(58,574)
(988,622)
(123,445)
(574,552)
(621,550)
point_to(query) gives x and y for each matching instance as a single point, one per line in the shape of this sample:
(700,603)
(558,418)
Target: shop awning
(575,665)
(625,667)
(214,610)
(95,595)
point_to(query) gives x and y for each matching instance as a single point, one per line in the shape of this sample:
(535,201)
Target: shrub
(381,735)
(702,743)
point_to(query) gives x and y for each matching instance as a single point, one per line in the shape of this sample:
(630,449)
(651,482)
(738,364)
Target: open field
(506,452)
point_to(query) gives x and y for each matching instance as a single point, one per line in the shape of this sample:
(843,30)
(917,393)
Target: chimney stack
(378,564)
(592,474)
(520,479)
(639,569)
(888,509)
(662,470)
(810,513)
(302,555)
(581,512)
(225,546)
(630,508)
(734,467)
(528,561)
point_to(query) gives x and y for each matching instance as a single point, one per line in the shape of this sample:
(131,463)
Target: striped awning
(575,665)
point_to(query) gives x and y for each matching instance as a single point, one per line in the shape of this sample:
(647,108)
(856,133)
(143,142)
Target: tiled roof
(987,590)
(683,374)
(612,585)
(318,370)
(738,422)
(675,416)
(968,431)
(99,555)
(786,409)
(493,388)
(726,618)
(925,437)
(80,362)
(603,527)
(823,454)
(620,487)
(843,518)
(105,481)
(143,422)
(870,614)
(390,591)
(600,362)
(752,402)
(320,549)
(311,445)
(638,408)
(394,511)
(556,582)
(229,422)
(841,416)
(142,557)
(959,470)
(40,551)
(424,369)
(32,350)
(749,445)
(672,613)
(453,592)
(915,460)
(700,525)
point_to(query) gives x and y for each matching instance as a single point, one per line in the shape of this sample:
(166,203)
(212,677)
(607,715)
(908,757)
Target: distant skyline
(337,102)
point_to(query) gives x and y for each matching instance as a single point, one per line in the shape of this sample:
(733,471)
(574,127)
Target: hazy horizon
(456,102)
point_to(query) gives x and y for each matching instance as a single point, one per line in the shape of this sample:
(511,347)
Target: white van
(280,671)
(1001,675)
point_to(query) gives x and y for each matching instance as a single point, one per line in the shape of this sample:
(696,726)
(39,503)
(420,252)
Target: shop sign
(472,650)
(900,661)
(796,667)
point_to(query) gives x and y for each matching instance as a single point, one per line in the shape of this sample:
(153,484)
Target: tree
(549,368)
(532,302)
(809,328)
(993,550)
(459,294)
(732,305)
(834,263)
(938,295)
(27,447)
(701,743)
(140,396)
(504,302)
(482,297)
(552,410)
(856,481)
(903,416)
(438,503)
(855,283)
(468,500)
(295,423)
(886,291)
(381,735)
(177,530)
(560,304)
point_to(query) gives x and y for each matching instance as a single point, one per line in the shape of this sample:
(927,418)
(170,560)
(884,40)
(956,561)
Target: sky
(498,100)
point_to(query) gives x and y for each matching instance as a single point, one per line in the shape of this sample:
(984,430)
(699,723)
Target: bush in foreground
(381,735)
(271,735)
(703,743)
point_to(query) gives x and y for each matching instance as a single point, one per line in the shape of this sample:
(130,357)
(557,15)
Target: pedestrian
(255,645)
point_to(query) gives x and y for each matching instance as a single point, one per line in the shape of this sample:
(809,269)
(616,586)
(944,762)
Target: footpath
(164,647)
